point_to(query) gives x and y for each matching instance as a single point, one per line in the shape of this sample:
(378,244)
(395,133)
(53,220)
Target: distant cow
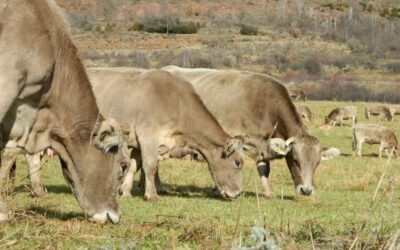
(374,134)
(304,112)
(297,94)
(381,110)
(338,115)
(394,110)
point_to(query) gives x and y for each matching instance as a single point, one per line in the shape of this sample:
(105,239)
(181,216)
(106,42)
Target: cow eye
(238,163)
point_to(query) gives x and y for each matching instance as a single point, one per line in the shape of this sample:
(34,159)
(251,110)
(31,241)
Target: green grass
(191,217)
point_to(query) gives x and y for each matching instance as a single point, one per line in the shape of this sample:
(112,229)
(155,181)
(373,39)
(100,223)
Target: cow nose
(113,217)
(306,190)
(236,196)
(104,216)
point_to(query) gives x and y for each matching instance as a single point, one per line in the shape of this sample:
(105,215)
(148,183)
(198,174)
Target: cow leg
(34,167)
(359,147)
(11,177)
(126,187)
(263,169)
(149,152)
(159,186)
(8,158)
(380,150)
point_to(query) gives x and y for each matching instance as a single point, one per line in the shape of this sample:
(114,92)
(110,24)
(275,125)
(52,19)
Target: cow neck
(290,127)
(208,134)
(71,98)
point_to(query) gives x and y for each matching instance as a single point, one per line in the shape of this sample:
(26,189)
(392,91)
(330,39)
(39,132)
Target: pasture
(356,203)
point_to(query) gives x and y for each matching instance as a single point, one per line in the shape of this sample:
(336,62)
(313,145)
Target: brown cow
(252,105)
(304,112)
(338,115)
(166,119)
(297,94)
(380,110)
(374,134)
(46,101)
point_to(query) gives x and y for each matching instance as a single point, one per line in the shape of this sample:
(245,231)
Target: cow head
(302,160)
(225,165)
(302,153)
(327,120)
(93,175)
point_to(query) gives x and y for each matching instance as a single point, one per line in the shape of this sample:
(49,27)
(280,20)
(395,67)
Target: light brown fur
(338,115)
(167,118)
(40,65)
(379,110)
(374,134)
(251,105)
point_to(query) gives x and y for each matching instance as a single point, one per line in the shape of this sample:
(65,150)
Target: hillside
(351,46)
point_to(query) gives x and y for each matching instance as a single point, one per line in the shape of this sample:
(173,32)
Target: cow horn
(278,145)
(289,141)
(232,145)
(109,135)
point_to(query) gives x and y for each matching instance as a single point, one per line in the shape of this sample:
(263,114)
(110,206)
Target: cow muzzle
(105,216)
(304,190)
(228,196)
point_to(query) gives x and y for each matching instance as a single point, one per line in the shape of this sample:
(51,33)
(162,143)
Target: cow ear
(280,146)
(231,146)
(110,134)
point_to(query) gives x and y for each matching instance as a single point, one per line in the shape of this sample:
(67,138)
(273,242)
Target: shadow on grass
(55,214)
(58,189)
(194,192)
(186,191)
(372,155)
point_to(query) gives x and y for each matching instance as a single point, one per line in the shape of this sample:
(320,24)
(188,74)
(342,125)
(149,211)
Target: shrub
(313,65)
(80,20)
(195,59)
(392,67)
(248,30)
(169,24)
(139,59)
(351,92)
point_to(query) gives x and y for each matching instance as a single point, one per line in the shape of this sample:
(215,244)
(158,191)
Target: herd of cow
(105,124)
(363,133)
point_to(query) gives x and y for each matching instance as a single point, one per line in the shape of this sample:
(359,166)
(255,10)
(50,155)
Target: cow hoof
(151,197)
(39,192)
(269,195)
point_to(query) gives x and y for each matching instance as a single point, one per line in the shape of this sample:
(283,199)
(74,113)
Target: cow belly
(17,124)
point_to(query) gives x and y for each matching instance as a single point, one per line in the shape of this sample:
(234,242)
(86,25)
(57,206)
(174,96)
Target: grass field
(191,217)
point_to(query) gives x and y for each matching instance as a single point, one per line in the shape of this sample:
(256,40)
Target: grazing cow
(297,94)
(394,110)
(380,110)
(257,107)
(166,119)
(46,101)
(374,134)
(338,115)
(304,112)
